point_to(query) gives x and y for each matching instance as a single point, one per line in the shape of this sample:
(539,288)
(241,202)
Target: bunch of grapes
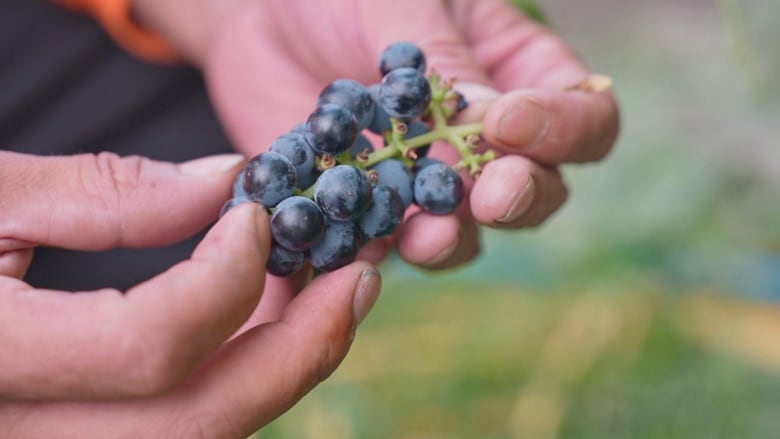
(329,192)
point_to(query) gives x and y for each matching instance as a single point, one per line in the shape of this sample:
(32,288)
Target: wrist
(186,24)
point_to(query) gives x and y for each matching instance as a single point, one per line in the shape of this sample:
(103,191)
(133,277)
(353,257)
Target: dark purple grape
(393,173)
(405,93)
(402,54)
(338,247)
(380,123)
(343,192)
(416,128)
(297,223)
(438,189)
(384,215)
(332,129)
(305,181)
(351,95)
(269,178)
(423,162)
(283,262)
(238,185)
(361,144)
(462,103)
(296,148)
(233,202)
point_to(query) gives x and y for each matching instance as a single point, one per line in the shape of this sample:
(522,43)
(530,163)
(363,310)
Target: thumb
(427,24)
(95,202)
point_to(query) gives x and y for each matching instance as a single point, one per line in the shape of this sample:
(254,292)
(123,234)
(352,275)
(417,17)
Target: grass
(463,362)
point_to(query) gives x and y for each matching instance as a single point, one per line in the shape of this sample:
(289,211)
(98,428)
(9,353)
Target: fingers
(104,344)
(514,192)
(251,381)
(430,27)
(438,242)
(553,126)
(95,202)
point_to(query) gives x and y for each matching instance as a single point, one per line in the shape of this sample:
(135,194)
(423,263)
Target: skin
(214,347)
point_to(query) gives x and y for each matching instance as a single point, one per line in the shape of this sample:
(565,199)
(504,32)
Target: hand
(266,61)
(188,353)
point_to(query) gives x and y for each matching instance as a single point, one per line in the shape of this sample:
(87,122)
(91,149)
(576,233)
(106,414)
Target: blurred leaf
(532,9)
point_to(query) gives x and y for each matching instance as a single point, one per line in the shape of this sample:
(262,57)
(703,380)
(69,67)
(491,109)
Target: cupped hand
(266,62)
(188,353)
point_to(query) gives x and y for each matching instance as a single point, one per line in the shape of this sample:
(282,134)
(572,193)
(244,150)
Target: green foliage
(532,9)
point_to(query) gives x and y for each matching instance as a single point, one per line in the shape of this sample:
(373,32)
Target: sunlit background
(648,307)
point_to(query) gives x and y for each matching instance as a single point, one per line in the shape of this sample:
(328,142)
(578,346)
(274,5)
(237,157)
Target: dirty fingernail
(523,126)
(366,293)
(520,203)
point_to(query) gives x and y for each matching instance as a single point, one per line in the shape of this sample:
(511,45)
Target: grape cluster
(329,192)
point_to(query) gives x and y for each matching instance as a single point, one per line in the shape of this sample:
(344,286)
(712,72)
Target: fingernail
(523,126)
(211,165)
(521,202)
(366,293)
(444,254)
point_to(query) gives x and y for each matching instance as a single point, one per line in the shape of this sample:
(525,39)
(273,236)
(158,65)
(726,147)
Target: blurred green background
(648,307)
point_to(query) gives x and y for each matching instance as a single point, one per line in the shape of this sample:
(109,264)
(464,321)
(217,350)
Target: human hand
(188,353)
(265,63)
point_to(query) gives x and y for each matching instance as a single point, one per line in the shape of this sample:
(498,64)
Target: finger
(517,51)
(431,28)
(438,242)
(95,202)
(104,344)
(251,381)
(553,126)
(513,192)
(15,257)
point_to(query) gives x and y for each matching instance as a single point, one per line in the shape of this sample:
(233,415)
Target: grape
(332,129)
(416,128)
(394,174)
(283,262)
(405,93)
(233,202)
(423,162)
(296,148)
(438,189)
(238,185)
(384,215)
(343,192)
(351,95)
(269,178)
(380,123)
(297,223)
(401,54)
(338,247)
(361,144)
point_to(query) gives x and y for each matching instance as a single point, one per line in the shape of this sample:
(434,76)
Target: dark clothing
(66,88)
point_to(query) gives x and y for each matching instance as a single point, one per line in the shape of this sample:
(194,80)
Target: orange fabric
(115,17)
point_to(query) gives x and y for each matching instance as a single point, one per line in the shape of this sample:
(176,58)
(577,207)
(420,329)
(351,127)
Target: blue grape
(393,173)
(380,123)
(338,247)
(405,93)
(238,185)
(384,215)
(361,144)
(269,178)
(296,148)
(351,95)
(343,192)
(233,202)
(332,129)
(438,189)
(423,162)
(284,262)
(297,223)
(414,129)
(402,54)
